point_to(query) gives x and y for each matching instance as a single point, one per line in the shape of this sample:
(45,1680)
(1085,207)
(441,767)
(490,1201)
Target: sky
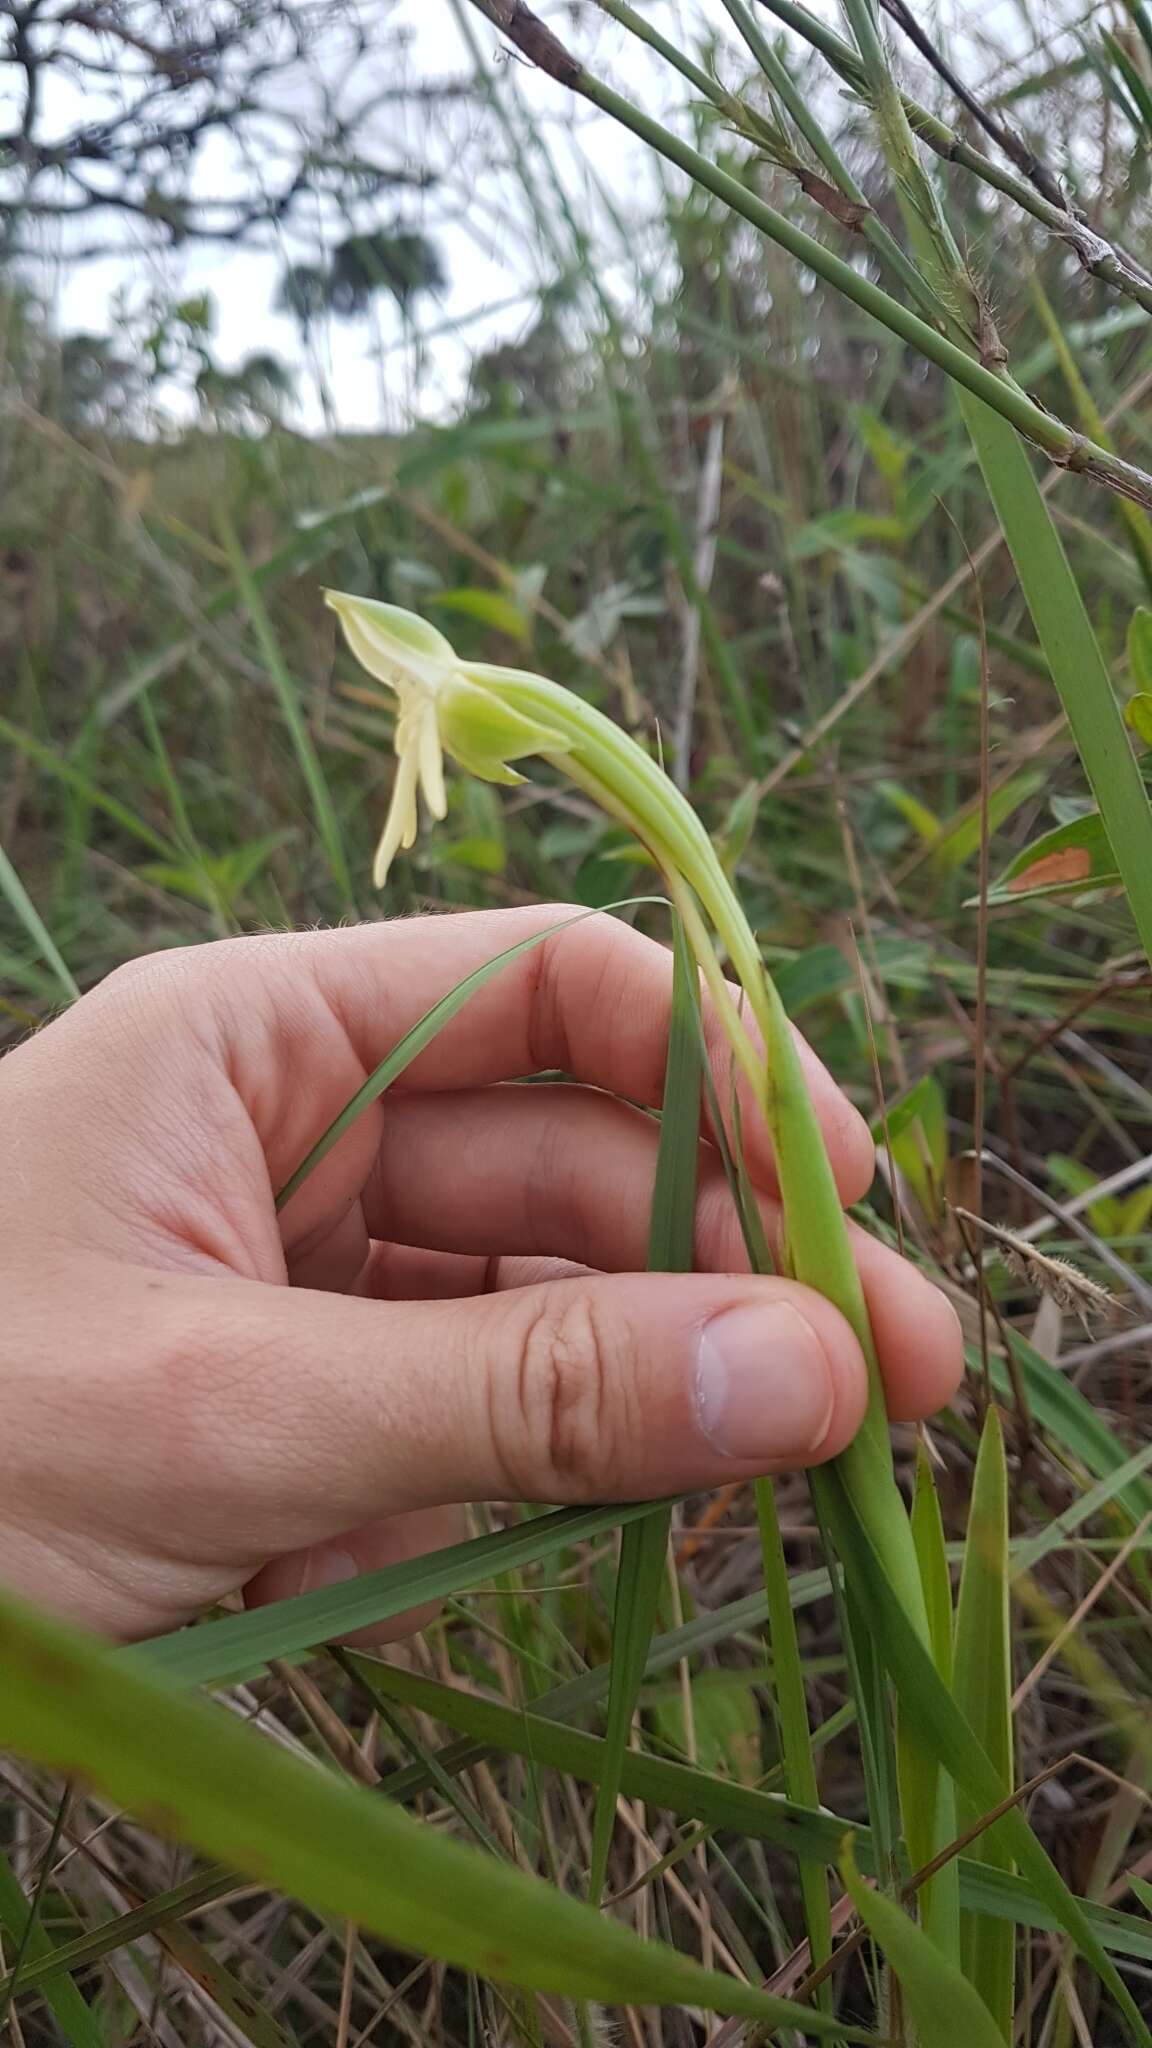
(476,213)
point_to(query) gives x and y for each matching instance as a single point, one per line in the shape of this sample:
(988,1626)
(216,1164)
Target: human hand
(200,1395)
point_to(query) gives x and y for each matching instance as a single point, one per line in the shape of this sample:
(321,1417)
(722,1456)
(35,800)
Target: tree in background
(194,119)
(398,260)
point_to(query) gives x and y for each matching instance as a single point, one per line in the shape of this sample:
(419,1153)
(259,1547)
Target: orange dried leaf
(1070,864)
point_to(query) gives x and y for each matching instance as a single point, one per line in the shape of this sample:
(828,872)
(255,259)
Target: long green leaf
(927,1797)
(193,1772)
(690,1794)
(241,1643)
(931,1709)
(323,809)
(946,2008)
(693,1794)
(425,1030)
(644,1544)
(12,888)
(982,1685)
(792,1716)
(1078,668)
(202,1890)
(78,2023)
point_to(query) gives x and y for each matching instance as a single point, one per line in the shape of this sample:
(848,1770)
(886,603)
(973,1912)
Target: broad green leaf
(1142,1888)
(1105,1215)
(946,2008)
(671,1235)
(482,853)
(982,1684)
(215,877)
(193,1772)
(1073,856)
(725,1727)
(889,451)
(916,1126)
(492,608)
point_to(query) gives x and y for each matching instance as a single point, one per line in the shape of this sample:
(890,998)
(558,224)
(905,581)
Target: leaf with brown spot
(1073,856)
(1071,864)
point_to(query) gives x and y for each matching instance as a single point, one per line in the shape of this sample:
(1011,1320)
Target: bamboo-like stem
(852,209)
(1060,442)
(1099,257)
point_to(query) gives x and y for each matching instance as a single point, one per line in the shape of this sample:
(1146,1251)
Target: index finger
(593,1000)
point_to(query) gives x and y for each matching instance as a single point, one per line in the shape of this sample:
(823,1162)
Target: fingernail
(763,1387)
(328,1568)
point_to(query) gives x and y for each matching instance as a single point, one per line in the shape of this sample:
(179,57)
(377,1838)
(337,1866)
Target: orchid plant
(486,718)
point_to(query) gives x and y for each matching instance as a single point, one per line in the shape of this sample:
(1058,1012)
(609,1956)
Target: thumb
(622,1386)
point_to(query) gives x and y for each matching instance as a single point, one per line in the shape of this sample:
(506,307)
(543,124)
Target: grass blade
(241,1643)
(323,809)
(422,1034)
(1077,665)
(927,1798)
(13,890)
(944,2005)
(193,1772)
(693,1794)
(78,2023)
(937,1720)
(792,1718)
(982,1685)
(644,1544)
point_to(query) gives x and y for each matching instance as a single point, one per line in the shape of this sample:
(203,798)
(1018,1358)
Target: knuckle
(572,1374)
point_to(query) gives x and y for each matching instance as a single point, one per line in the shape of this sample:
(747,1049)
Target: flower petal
(430,762)
(392,644)
(477,726)
(400,826)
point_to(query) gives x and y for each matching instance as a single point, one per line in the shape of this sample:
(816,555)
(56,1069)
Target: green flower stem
(609,766)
